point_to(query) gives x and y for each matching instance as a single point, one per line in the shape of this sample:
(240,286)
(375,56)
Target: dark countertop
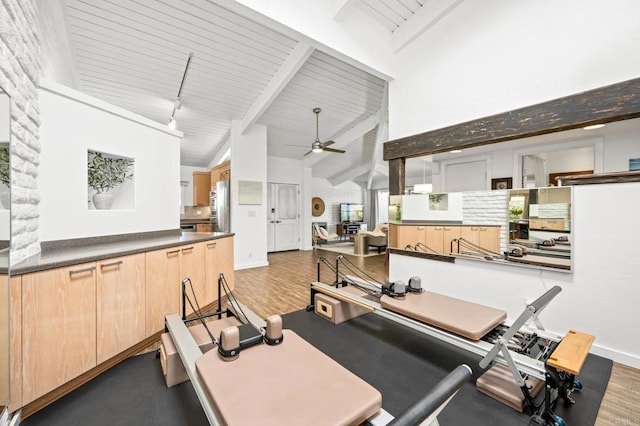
(73,252)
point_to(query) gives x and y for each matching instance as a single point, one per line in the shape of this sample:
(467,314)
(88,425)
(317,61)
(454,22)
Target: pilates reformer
(466,247)
(282,356)
(524,350)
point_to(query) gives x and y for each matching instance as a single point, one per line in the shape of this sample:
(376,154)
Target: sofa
(378,237)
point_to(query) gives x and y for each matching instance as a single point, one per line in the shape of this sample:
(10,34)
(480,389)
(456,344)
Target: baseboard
(251,265)
(630,360)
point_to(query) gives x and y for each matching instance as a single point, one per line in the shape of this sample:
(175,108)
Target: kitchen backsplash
(197,211)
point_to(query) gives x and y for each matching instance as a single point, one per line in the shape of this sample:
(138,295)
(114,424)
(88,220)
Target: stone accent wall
(487,208)
(19,76)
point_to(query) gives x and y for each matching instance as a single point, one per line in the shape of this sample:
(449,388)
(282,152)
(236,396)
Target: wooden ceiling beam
(285,73)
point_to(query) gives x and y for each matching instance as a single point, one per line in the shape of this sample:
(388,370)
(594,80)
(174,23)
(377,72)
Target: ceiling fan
(318,146)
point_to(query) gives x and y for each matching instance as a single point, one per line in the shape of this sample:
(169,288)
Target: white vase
(102,200)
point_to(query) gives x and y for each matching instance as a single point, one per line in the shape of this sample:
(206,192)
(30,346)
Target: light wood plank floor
(283,287)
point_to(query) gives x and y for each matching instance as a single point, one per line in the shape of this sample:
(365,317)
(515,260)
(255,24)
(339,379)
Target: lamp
(177,104)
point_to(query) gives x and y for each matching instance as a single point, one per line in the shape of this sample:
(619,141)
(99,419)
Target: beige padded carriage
(498,383)
(466,319)
(291,383)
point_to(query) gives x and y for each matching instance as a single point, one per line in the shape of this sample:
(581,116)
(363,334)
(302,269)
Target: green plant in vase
(515,212)
(105,173)
(434,201)
(5,176)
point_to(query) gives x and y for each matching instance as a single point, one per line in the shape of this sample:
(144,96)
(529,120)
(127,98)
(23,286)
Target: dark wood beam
(620,101)
(616,177)
(396,176)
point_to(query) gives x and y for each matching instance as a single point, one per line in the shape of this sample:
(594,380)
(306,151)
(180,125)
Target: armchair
(378,237)
(320,234)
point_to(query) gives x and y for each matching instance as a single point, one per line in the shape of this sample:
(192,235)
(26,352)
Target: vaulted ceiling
(133,54)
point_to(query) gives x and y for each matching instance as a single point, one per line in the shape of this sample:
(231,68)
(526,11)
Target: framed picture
(501,183)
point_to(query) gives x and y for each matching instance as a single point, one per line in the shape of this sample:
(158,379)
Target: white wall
(5,118)
(186,192)
(72,123)
(599,296)
(332,196)
(249,222)
(464,68)
(620,149)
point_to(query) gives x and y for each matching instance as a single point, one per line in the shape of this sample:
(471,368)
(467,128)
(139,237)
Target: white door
(282,217)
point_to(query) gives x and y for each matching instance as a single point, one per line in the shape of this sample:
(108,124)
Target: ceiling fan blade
(307,153)
(301,146)
(327,143)
(341,151)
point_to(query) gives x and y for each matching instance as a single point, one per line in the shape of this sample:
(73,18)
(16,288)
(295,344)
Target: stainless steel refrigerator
(223,207)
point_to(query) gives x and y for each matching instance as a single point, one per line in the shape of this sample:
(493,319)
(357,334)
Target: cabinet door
(120,304)
(489,238)
(162,289)
(191,266)
(410,235)
(433,238)
(58,327)
(15,342)
(201,188)
(449,233)
(218,259)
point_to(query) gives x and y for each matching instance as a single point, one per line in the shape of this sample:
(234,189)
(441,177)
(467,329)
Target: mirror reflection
(4,250)
(523,226)
(540,227)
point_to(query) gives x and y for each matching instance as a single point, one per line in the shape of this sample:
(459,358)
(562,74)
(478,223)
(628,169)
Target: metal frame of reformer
(498,352)
(435,401)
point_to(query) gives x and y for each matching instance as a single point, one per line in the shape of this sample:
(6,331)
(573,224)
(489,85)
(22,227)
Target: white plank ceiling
(132,53)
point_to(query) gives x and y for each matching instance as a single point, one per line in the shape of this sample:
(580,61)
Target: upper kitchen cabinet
(201,188)
(220,172)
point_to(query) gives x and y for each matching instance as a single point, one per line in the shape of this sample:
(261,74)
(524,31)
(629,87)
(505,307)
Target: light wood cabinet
(162,292)
(201,188)
(120,296)
(409,235)
(487,237)
(548,224)
(203,227)
(218,259)
(439,238)
(191,266)
(58,327)
(165,270)
(220,172)
(15,343)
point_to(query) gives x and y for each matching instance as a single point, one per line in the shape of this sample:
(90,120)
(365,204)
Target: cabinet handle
(474,229)
(187,249)
(108,265)
(80,271)
(211,245)
(484,229)
(173,252)
(420,228)
(439,228)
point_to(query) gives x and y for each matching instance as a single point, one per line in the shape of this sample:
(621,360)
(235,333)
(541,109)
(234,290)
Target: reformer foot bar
(558,376)
(281,356)
(212,380)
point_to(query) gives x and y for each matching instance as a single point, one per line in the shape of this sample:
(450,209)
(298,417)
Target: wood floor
(283,287)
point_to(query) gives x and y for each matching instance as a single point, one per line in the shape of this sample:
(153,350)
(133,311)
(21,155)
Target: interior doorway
(283,217)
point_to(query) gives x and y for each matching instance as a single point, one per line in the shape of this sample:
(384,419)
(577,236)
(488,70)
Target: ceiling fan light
(172,123)
(316,146)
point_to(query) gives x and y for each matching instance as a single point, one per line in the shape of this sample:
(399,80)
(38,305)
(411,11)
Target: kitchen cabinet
(487,237)
(439,238)
(409,235)
(15,343)
(220,172)
(120,299)
(203,227)
(218,258)
(165,270)
(58,327)
(201,188)
(549,224)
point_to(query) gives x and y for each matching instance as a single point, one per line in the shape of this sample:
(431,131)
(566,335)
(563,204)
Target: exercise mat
(404,364)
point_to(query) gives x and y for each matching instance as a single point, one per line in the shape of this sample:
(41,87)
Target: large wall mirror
(5,232)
